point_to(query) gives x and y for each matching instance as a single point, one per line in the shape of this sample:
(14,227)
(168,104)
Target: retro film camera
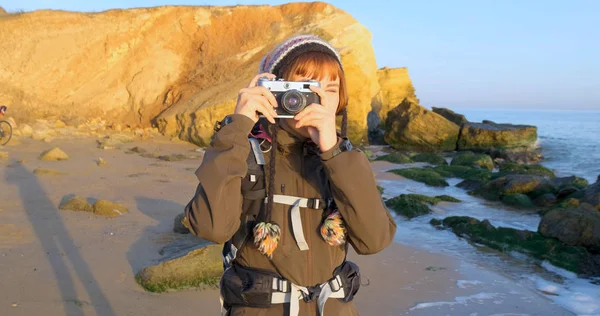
(292,96)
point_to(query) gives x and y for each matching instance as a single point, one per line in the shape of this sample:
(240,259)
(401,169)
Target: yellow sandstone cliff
(179,68)
(395,85)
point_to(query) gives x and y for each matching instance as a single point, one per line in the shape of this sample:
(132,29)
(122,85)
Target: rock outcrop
(489,136)
(575,227)
(509,240)
(178,67)
(410,126)
(395,85)
(451,116)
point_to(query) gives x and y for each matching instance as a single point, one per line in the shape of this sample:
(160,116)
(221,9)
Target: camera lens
(293,101)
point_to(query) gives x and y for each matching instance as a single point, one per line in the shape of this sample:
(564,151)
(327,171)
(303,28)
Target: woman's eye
(332,91)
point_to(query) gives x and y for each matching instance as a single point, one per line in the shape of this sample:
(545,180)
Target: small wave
(463,284)
(463,300)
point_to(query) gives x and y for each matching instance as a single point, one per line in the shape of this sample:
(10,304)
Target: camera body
(292,96)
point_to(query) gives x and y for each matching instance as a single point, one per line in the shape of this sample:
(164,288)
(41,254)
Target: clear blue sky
(481,53)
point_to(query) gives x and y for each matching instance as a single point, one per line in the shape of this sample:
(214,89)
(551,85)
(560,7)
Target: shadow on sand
(61,252)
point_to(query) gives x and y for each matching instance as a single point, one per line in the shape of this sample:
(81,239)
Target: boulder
(26,130)
(546,200)
(451,116)
(114,141)
(108,208)
(471,184)
(426,176)
(463,172)
(531,185)
(54,154)
(395,158)
(573,226)
(591,195)
(75,203)
(408,206)
(521,155)
(470,159)
(429,157)
(570,182)
(508,240)
(410,126)
(488,137)
(514,168)
(413,205)
(199,268)
(517,200)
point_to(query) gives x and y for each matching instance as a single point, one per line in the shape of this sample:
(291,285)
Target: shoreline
(62,262)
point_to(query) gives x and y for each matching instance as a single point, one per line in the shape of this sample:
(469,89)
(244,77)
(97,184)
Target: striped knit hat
(293,47)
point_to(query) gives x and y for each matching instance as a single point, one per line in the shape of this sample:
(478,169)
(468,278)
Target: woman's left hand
(320,120)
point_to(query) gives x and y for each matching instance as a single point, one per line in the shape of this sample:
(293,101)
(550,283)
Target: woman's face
(331,88)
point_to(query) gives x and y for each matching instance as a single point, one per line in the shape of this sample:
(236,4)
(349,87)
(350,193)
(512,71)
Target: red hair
(318,65)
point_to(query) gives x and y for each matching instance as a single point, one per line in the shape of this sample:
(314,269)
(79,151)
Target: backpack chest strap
(297,203)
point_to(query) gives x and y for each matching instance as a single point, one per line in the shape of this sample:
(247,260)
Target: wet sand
(72,263)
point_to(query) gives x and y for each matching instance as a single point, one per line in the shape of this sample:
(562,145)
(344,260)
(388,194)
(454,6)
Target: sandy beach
(75,263)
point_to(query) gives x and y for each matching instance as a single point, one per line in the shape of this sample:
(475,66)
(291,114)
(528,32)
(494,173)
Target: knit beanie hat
(293,47)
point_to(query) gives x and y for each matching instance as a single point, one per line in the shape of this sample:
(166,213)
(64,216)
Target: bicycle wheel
(5,132)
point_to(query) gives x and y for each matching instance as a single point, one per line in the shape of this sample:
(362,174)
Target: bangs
(314,65)
(318,66)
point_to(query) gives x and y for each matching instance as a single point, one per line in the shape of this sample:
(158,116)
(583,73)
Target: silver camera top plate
(279,85)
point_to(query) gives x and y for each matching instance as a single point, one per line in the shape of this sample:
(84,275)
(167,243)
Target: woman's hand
(320,121)
(254,100)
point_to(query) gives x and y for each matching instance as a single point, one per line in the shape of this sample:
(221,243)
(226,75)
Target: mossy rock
(470,159)
(517,200)
(567,182)
(380,189)
(200,268)
(508,240)
(395,158)
(432,158)
(408,206)
(108,208)
(426,176)
(75,203)
(514,168)
(448,198)
(463,172)
(573,226)
(531,185)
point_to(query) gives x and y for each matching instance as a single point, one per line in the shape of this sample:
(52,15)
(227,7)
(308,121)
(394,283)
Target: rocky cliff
(395,86)
(176,67)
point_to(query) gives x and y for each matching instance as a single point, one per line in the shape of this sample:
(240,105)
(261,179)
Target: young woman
(288,222)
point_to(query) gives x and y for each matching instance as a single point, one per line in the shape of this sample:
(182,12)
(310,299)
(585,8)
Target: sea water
(570,143)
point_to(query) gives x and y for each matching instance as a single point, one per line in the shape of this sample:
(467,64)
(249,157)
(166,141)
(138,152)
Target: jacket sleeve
(370,225)
(214,211)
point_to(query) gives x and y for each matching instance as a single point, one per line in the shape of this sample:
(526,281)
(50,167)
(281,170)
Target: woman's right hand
(254,100)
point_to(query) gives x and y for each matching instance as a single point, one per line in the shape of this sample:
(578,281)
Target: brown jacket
(214,212)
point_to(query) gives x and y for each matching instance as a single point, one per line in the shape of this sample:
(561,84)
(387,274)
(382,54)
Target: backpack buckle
(313,293)
(316,204)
